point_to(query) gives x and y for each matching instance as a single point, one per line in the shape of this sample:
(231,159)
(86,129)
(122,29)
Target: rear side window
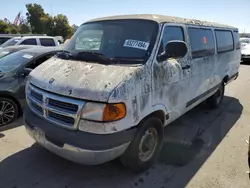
(3,40)
(236,40)
(224,41)
(202,42)
(29,42)
(171,33)
(47,42)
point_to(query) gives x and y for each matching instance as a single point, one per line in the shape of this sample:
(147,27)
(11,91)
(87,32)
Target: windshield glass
(14,60)
(130,39)
(11,42)
(4,52)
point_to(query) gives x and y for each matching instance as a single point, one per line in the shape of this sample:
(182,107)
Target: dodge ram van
(121,79)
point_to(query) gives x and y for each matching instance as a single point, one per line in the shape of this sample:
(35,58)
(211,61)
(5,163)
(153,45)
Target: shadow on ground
(13,125)
(189,142)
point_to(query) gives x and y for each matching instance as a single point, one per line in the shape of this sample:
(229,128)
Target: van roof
(162,18)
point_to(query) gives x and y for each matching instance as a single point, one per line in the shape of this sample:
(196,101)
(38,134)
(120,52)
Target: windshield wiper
(64,54)
(129,59)
(95,55)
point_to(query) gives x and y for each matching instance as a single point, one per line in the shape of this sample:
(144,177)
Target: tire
(8,111)
(134,157)
(216,99)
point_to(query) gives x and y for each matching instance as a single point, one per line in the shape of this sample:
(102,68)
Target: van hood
(79,79)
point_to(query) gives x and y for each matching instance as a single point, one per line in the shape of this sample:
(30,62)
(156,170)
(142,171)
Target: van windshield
(124,39)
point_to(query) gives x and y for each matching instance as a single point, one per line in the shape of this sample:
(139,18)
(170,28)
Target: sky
(230,12)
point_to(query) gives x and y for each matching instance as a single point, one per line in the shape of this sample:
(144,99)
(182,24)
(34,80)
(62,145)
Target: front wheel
(216,99)
(8,111)
(145,147)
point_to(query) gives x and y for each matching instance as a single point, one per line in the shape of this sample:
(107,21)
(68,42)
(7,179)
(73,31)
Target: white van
(121,79)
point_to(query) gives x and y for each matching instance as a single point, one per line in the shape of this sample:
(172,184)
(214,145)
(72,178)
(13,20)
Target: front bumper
(77,146)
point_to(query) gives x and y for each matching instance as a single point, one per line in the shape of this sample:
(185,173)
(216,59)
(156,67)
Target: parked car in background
(60,39)
(14,69)
(31,40)
(120,80)
(4,38)
(245,49)
(11,49)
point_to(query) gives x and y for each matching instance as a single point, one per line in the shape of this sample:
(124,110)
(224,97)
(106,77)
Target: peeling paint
(85,80)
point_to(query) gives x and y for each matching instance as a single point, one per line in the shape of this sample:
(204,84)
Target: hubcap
(7,112)
(148,144)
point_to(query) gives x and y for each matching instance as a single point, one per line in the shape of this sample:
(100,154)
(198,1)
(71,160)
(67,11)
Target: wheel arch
(225,79)
(158,111)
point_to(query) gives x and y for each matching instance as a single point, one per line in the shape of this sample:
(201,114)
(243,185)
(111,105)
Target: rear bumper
(77,146)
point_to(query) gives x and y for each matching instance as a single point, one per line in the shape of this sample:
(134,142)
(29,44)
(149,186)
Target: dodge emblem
(51,80)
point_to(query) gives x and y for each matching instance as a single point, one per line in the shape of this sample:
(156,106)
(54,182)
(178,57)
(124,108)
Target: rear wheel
(216,99)
(8,111)
(146,146)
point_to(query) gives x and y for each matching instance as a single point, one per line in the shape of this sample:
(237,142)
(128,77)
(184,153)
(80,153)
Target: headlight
(103,112)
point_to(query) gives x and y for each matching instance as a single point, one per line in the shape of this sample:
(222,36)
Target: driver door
(171,77)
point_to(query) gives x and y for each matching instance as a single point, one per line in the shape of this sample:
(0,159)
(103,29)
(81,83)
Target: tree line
(39,22)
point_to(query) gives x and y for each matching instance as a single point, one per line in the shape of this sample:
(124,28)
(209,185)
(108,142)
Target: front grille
(62,118)
(36,95)
(63,105)
(38,108)
(62,111)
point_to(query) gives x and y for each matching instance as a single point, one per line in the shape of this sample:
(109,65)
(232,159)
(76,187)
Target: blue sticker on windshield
(136,44)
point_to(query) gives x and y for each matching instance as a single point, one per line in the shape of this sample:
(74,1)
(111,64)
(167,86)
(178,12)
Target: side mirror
(174,49)
(26,72)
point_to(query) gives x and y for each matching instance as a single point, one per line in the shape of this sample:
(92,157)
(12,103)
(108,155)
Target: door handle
(186,67)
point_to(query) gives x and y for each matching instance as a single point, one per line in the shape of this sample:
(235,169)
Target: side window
(47,42)
(202,42)
(171,33)
(236,40)
(29,42)
(224,41)
(39,61)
